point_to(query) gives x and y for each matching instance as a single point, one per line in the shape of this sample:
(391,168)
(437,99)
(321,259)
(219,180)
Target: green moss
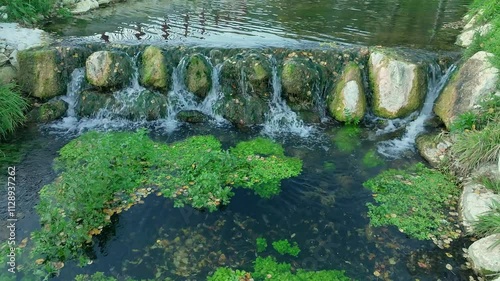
(415,200)
(371,159)
(106,173)
(347,138)
(153,71)
(198,75)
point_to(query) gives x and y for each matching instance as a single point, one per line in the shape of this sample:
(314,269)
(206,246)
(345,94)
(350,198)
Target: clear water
(291,23)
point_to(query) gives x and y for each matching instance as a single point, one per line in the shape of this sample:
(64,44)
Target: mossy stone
(347,101)
(91,102)
(48,112)
(153,70)
(198,77)
(146,106)
(40,73)
(108,69)
(192,116)
(298,78)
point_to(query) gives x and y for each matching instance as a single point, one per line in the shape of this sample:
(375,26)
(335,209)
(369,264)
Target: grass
(491,41)
(12,107)
(489,223)
(31,12)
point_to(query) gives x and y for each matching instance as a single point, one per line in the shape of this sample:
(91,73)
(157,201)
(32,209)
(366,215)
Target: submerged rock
(146,106)
(40,73)
(106,69)
(192,116)
(198,77)
(91,102)
(48,112)
(484,256)
(299,78)
(399,86)
(347,102)
(153,70)
(475,79)
(244,111)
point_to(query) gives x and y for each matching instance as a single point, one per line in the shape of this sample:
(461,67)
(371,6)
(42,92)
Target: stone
(85,6)
(192,116)
(48,112)
(91,102)
(475,79)
(347,102)
(40,73)
(431,149)
(299,77)
(399,86)
(466,38)
(243,111)
(198,77)
(13,59)
(146,106)
(3,59)
(153,71)
(23,38)
(485,258)
(7,74)
(106,69)
(475,201)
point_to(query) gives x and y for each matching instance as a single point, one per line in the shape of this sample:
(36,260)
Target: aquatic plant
(261,244)
(415,200)
(12,107)
(347,138)
(371,159)
(284,247)
(106,173)
(227,274)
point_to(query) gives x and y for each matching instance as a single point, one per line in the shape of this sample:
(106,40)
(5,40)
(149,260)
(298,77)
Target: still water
(425,24)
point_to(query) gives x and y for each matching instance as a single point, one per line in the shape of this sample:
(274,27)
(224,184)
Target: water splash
(394,148)
(281,119)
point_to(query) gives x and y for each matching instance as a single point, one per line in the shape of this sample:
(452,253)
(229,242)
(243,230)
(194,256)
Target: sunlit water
(429,24)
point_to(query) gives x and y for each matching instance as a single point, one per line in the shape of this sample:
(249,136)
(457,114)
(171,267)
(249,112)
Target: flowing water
(429,24)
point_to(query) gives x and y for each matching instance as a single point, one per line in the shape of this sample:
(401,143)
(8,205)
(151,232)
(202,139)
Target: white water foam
(281,119)
(394,148)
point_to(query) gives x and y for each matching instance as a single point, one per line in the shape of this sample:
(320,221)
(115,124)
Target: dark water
(253,23)
(323,209)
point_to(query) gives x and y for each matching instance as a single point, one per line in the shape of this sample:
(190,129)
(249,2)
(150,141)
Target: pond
(427,24)
(323,210)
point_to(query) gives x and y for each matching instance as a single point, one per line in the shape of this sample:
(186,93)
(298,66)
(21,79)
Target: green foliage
(105,173)
(489,222)
(415,200)
(12,107)
(261,244)
(28,11)
(98,276)
(465,121)
(347,138)
(371,159)
(349,119)
(491,184)
(227,274)
(284,247)
(329,166)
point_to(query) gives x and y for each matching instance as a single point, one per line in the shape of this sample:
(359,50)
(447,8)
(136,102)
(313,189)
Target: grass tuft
(12,107)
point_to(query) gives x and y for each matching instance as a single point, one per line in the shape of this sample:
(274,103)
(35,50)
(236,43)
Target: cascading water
(394,148)
(215,94)
(281,119)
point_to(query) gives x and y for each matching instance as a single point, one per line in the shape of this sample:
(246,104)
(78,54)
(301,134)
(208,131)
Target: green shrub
(284,247)
(415,200)
(12,107)
(28,11)
(261,244)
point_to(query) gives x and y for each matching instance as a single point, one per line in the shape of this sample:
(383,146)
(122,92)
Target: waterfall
(215,94)
(281,119)
(394,148)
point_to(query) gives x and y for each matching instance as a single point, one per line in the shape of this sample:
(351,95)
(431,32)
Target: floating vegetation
(106,173)
(261,244)
(415,200)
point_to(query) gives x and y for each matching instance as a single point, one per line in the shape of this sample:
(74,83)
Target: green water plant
(227,274)
(416,200)
(347,138)
(106,173)
(261,244)
(285,247)
(12,107)
(371,159)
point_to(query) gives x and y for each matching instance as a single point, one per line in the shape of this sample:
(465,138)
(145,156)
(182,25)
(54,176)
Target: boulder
(432,149)
(40,73)
(485,258)
(48,112)
(475,79)
(192,116)
(146,106)
(3,59)
(347,102)
(91,102)
(475,201)
(299,77)
(7,74)
(153,71)
(198,77)
(399,86)
(85,6)
(466,38)
(244,111)
(107,69)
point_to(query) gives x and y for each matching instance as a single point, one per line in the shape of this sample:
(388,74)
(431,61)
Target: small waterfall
(215,94)
(394,148)
(127,97)
(281,119)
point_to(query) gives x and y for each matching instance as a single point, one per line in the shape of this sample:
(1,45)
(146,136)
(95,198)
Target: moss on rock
(91,102)
(347,102)
(153,70)
(40,73)
(298,78)
(107,69)
(198,77)
(48,112)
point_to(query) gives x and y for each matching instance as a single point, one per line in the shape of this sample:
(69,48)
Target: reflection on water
(250,23)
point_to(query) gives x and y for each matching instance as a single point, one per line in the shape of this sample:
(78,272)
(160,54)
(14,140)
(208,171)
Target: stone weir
(239,85)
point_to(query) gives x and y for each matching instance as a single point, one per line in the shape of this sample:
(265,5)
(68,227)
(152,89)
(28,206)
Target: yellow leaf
(376,273)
